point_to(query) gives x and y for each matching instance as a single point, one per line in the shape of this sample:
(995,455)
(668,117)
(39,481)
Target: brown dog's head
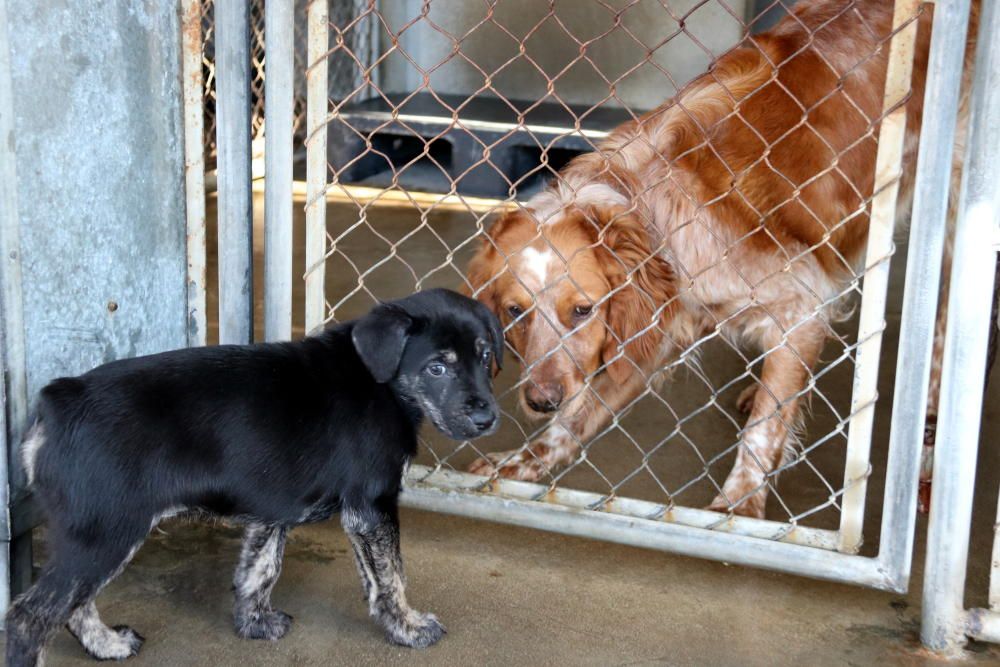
(577,295)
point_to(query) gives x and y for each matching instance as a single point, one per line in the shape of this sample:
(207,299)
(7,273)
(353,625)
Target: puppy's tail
(34,440)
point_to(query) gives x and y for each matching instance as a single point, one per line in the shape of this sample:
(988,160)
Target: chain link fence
(432,129)
(494,101)
(344,76)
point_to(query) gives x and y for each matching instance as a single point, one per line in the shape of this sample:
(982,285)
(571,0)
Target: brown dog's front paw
(752,507)
(509,465)
(485,465)
(744,402)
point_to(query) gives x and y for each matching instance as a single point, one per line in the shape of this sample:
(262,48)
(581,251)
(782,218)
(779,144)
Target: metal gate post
(232,53)
(871,322)
(945,621)
(279,22)
(920,296)
(194,169)
(316,167)
(13,375)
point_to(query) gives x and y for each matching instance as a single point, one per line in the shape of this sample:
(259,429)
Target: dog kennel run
(402,106)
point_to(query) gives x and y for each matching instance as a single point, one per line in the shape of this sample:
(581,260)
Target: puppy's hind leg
(374,534)
(256,574)
(64,594)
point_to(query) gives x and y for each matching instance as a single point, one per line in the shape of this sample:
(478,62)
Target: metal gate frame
(765,544)
(946,622)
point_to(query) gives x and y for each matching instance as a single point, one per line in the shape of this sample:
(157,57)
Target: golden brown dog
(739,207)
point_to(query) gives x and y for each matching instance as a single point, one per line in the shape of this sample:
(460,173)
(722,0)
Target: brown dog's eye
(582,311)
(514,311)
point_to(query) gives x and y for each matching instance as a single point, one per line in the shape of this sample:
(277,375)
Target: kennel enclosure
(446,114)
(431,110)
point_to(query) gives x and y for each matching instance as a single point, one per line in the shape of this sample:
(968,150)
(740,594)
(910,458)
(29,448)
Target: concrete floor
(517,596)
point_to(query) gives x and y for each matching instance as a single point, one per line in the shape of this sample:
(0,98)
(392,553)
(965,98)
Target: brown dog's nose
(544,397)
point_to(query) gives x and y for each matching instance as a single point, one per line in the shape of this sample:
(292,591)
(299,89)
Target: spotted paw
(117,643)
(421,631)
(513,467)
(270,625)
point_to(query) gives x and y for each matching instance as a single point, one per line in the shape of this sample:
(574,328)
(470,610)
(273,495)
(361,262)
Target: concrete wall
(98,142)
(553,49)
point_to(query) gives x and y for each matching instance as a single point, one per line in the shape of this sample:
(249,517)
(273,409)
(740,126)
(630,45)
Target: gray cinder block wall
(98,145)
(92,208)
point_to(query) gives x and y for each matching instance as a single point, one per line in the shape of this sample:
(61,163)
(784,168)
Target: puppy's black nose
(483,419)
(544,398)
(481,415)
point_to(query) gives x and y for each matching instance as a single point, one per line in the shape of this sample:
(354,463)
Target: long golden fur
(741,206)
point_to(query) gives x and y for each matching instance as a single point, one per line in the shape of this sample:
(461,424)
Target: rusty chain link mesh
(342,78)
(513,93)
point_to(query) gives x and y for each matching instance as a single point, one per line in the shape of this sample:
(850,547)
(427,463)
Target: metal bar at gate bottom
(920,294)
(652,534)
(232,72)
(316,160)
(279,56)
(871,322)
(194,170)
(945,621)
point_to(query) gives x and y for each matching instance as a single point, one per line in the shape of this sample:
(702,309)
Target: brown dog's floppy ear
(643,282)
(480,274)
(487,263)
(380,338)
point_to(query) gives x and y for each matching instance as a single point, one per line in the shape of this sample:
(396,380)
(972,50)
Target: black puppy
(272,435)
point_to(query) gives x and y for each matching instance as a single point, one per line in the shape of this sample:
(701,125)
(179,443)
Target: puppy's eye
(515,311)
(436,369)
(582,310)
(486,356)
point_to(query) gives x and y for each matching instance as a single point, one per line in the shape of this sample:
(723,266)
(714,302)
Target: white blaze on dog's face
(560,293)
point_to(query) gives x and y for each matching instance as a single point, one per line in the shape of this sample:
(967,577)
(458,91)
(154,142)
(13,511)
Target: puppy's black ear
(489,319)
(379,338)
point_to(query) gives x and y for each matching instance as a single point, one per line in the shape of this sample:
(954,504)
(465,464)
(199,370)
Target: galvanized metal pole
(316,163)
(232,72)
(14,549)
(279,22)
(920,296)
(454,493)
(969,307)
(994,598)
(194,170)
(871,323)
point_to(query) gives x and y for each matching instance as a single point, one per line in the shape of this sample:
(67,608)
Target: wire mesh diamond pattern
(445,117)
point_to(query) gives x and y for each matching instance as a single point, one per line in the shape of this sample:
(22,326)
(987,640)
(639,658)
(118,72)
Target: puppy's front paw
(130,638)
(417,631)
(270,625)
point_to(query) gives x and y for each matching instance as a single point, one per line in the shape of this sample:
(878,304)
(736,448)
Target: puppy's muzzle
(483,415)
